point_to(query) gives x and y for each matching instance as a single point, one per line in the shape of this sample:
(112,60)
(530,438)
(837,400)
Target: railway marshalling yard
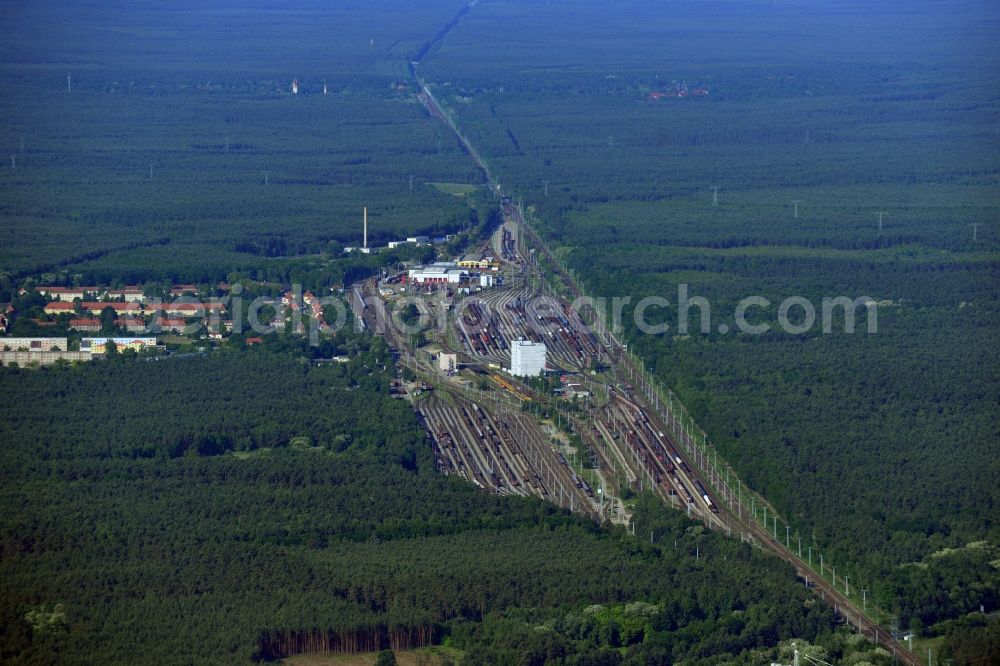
(476,415)
(611,430)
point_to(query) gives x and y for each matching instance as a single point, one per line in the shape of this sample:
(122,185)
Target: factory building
(527,359)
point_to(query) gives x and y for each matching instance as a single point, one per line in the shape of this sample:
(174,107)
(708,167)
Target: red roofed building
(59,307)
(68,293)
(192,309)
(175,325)
(314,305)
(131,324)
(97,307)
(289,300)
(87,324)
(128,294)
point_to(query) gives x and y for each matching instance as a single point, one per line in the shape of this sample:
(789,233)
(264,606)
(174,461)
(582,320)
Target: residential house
(68,294)
(86,324)
(128,294)
(59,307)
(131,324)
(171,325)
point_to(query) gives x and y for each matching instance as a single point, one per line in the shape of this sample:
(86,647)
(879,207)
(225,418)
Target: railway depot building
(445,272)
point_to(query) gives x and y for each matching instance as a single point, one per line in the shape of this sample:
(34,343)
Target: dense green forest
(216,508)
(880,448)
(248,504)
(195,159)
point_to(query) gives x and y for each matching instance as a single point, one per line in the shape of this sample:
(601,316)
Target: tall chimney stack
(366,228)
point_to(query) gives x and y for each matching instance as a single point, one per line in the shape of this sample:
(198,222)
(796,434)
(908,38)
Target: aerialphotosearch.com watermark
(299,312)
(796,315)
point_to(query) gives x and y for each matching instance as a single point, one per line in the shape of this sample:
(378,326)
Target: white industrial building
(444,272)
(447,362)
(527,358)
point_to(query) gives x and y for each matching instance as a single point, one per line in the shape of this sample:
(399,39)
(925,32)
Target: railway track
(501,451)
(733,519)
(746,525)
(487,324)
(739,521)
